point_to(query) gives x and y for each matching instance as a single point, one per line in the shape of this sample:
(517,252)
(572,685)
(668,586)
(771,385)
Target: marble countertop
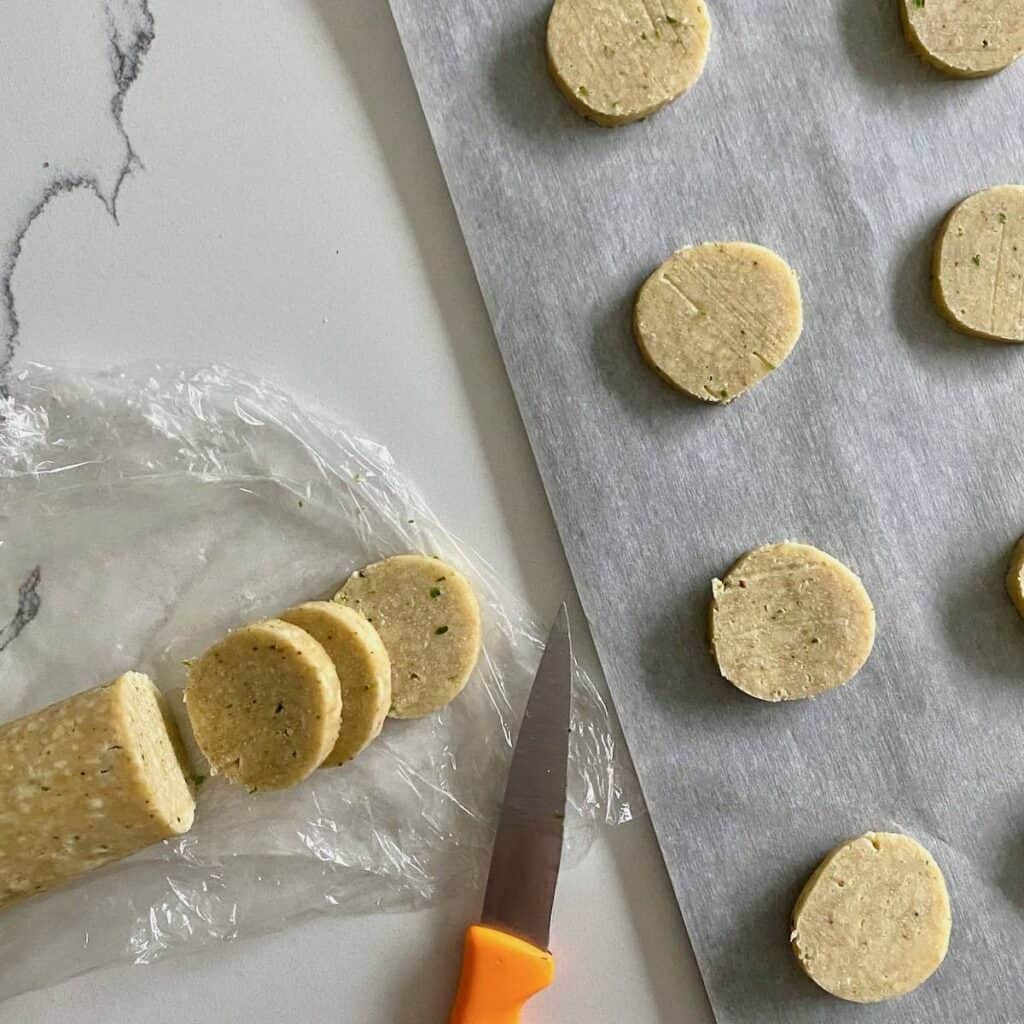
(255,184)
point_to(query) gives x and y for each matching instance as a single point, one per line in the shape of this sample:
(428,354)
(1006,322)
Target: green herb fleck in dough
(441,630)
(435,591)
(1002,218)
(582,90)
(976,260)
(919,3)
(671,20)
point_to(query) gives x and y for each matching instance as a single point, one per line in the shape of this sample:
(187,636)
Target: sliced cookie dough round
(265,705)
(978,266)
(428,617)
(364,671)
(620,60)
(966,38)
(789,621)
(715,319)
(873,921)
(1015,577)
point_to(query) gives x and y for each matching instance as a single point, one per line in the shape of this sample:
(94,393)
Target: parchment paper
(887,439)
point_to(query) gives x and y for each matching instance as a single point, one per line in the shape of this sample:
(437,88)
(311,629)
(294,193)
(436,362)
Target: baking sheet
(887,439)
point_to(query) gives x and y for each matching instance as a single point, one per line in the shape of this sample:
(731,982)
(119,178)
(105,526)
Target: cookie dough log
(363,667)
(85,782)
(789,622)
(978,266)
(621,60)
(265,705)
(966,38)
(873,921)
(715,319)
(428,617)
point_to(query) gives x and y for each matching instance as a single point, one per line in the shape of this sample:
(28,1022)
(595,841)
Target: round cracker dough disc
(364,671)
(428,617)
(789,621)
(620,60)
(966,38)
(1015,577)
(873,921)
(978,267)
(714,319)
(265,705)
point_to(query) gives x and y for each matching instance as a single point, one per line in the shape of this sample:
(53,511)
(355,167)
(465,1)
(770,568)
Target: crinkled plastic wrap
(144,512)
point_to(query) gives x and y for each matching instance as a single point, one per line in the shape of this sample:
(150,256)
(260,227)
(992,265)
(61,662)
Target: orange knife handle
(499,974)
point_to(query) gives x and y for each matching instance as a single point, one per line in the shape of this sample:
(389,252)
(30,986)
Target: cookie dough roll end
(874,920)
(85,782)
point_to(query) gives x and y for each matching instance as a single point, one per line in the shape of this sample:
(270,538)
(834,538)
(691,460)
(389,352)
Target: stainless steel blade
(528,848)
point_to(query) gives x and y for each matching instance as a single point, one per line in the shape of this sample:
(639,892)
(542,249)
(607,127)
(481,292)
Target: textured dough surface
(620,60)
(966,38)
(978,269)
(363,667)
(789,621)
(873,921)
(265,705)
(428,617)
(715,319)
(85,782)
(1015,577)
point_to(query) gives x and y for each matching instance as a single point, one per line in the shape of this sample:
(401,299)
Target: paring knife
(506,959)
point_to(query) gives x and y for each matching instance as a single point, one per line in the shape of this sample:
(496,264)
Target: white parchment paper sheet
(887,439)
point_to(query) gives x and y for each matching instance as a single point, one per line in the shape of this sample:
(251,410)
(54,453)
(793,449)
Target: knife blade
(505,958)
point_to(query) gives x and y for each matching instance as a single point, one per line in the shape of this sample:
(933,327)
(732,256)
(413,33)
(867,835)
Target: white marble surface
(268,196)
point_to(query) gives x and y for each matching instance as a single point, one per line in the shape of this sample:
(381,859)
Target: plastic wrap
(146,511)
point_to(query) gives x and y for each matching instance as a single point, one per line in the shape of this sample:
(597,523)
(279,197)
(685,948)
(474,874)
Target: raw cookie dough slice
(966,38)
(789,621)
(364,671)
(428,617)
(714,319)
(85,782)
(978,267)
(265,705)
(1015,577)
(873,921)
(620,60)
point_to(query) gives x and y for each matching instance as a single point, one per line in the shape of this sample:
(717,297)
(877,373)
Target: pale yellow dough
(87,781)
(966,38)
(265,705)
(428,617)
(364,671)
(978,266)
(715,319)
(789,622)
(1015,577)
(873,922)
(621,60)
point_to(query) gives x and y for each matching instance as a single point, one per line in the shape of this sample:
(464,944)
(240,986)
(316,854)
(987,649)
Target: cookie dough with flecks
(978,266)
(428,617)
(789,621)
(618,61)
(966,38)
(265,705)
(715,319)
(874,920)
